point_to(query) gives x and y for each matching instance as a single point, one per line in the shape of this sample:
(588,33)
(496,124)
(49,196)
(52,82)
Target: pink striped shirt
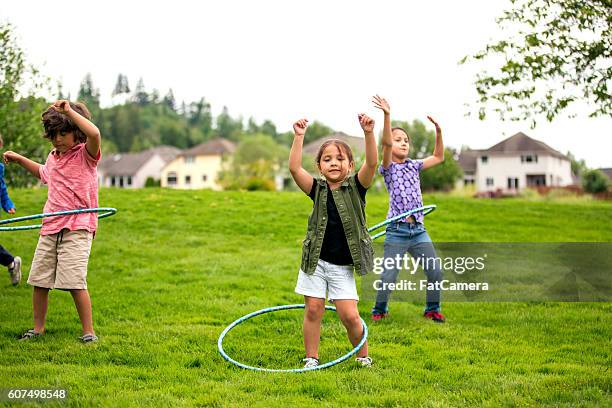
(72,179)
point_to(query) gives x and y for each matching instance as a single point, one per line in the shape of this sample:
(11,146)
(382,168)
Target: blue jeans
(402,237)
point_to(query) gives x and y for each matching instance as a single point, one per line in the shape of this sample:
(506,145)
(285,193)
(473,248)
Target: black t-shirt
(335,248)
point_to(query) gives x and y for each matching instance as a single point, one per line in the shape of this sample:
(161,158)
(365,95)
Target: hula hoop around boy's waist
(426,209)
(105,212)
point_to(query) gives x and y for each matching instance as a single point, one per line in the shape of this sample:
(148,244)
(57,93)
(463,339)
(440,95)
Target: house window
(113,181)
(513,183)
(187,179)
(489,181)
(171,179)
(528,158)
(129,180)
(204,177)
(121,181)
(189,159)
(468,182)
(484,159)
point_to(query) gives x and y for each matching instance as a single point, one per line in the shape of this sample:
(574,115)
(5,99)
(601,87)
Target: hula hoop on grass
(425,210)
(295,370)
(106,212)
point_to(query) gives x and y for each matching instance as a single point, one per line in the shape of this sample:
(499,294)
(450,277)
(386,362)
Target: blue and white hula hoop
(425,210)
(105,212)
(294,370)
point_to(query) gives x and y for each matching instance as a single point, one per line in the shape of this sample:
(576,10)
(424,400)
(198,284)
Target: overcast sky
(282,60)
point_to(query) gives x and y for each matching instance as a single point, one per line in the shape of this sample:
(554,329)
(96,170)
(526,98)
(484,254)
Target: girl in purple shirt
(402,179)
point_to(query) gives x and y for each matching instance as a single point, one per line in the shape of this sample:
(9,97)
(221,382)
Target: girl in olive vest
(337,241)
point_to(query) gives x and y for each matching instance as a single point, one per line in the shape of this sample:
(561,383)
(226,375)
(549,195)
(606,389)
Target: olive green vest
(352,213)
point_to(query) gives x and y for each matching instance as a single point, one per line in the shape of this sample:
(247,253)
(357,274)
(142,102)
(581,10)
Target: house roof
(212,147)
(521,143)
(607,171)
(515,145)
(356,143)
(128,164)
(467,159)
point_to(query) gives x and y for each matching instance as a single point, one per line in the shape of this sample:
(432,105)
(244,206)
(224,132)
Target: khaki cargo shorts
(60,260)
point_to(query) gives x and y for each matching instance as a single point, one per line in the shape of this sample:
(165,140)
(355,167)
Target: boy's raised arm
(438,155)
(387,138)
(302,178)
(90,130)
(29,165)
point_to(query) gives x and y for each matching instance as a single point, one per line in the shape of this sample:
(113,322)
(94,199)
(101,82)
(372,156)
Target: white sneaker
(15,271)
(364,361)
(310,362)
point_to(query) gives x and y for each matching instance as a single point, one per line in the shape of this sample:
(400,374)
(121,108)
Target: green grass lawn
(173,268)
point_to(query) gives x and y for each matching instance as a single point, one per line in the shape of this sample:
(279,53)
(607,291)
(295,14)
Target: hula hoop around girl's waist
(426,209)
(105,212)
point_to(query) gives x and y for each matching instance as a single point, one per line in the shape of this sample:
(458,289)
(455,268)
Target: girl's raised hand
(381,103)
(61,106)
(366,122)
(299,127)
(434,122)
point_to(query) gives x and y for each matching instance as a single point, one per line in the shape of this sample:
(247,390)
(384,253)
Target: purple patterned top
(404,186)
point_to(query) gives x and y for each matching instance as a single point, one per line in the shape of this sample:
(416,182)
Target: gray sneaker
(310,362)
(364,361)
(15,271)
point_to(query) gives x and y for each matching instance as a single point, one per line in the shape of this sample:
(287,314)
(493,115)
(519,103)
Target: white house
(131,170)
(513,164)
(198,167)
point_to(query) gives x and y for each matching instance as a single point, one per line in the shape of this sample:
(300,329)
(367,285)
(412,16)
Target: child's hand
(9,156)
(434,122)
(366,122)
(382,104)
(62,106)
(299,127)
(11,211)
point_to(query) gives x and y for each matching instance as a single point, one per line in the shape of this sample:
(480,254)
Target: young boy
(62,253)
(12,263)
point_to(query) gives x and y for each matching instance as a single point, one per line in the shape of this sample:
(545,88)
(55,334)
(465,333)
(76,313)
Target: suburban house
(513,164)
(131,170)
(198,167)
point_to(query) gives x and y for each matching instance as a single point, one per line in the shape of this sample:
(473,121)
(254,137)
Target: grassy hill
(173,268)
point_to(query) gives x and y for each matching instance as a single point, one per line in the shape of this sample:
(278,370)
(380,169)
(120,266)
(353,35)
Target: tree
(422,143)
(140,95)
(89,94)
(200,116)
(228,127)
(316,130)
(20,109)
(255,163)
(121,86)
(595,181)
(578,166)
(560,54)
(169,100)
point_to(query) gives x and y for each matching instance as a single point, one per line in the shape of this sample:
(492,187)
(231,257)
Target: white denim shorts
(335,281)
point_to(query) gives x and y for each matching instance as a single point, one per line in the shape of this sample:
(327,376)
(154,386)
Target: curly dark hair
(55,122)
